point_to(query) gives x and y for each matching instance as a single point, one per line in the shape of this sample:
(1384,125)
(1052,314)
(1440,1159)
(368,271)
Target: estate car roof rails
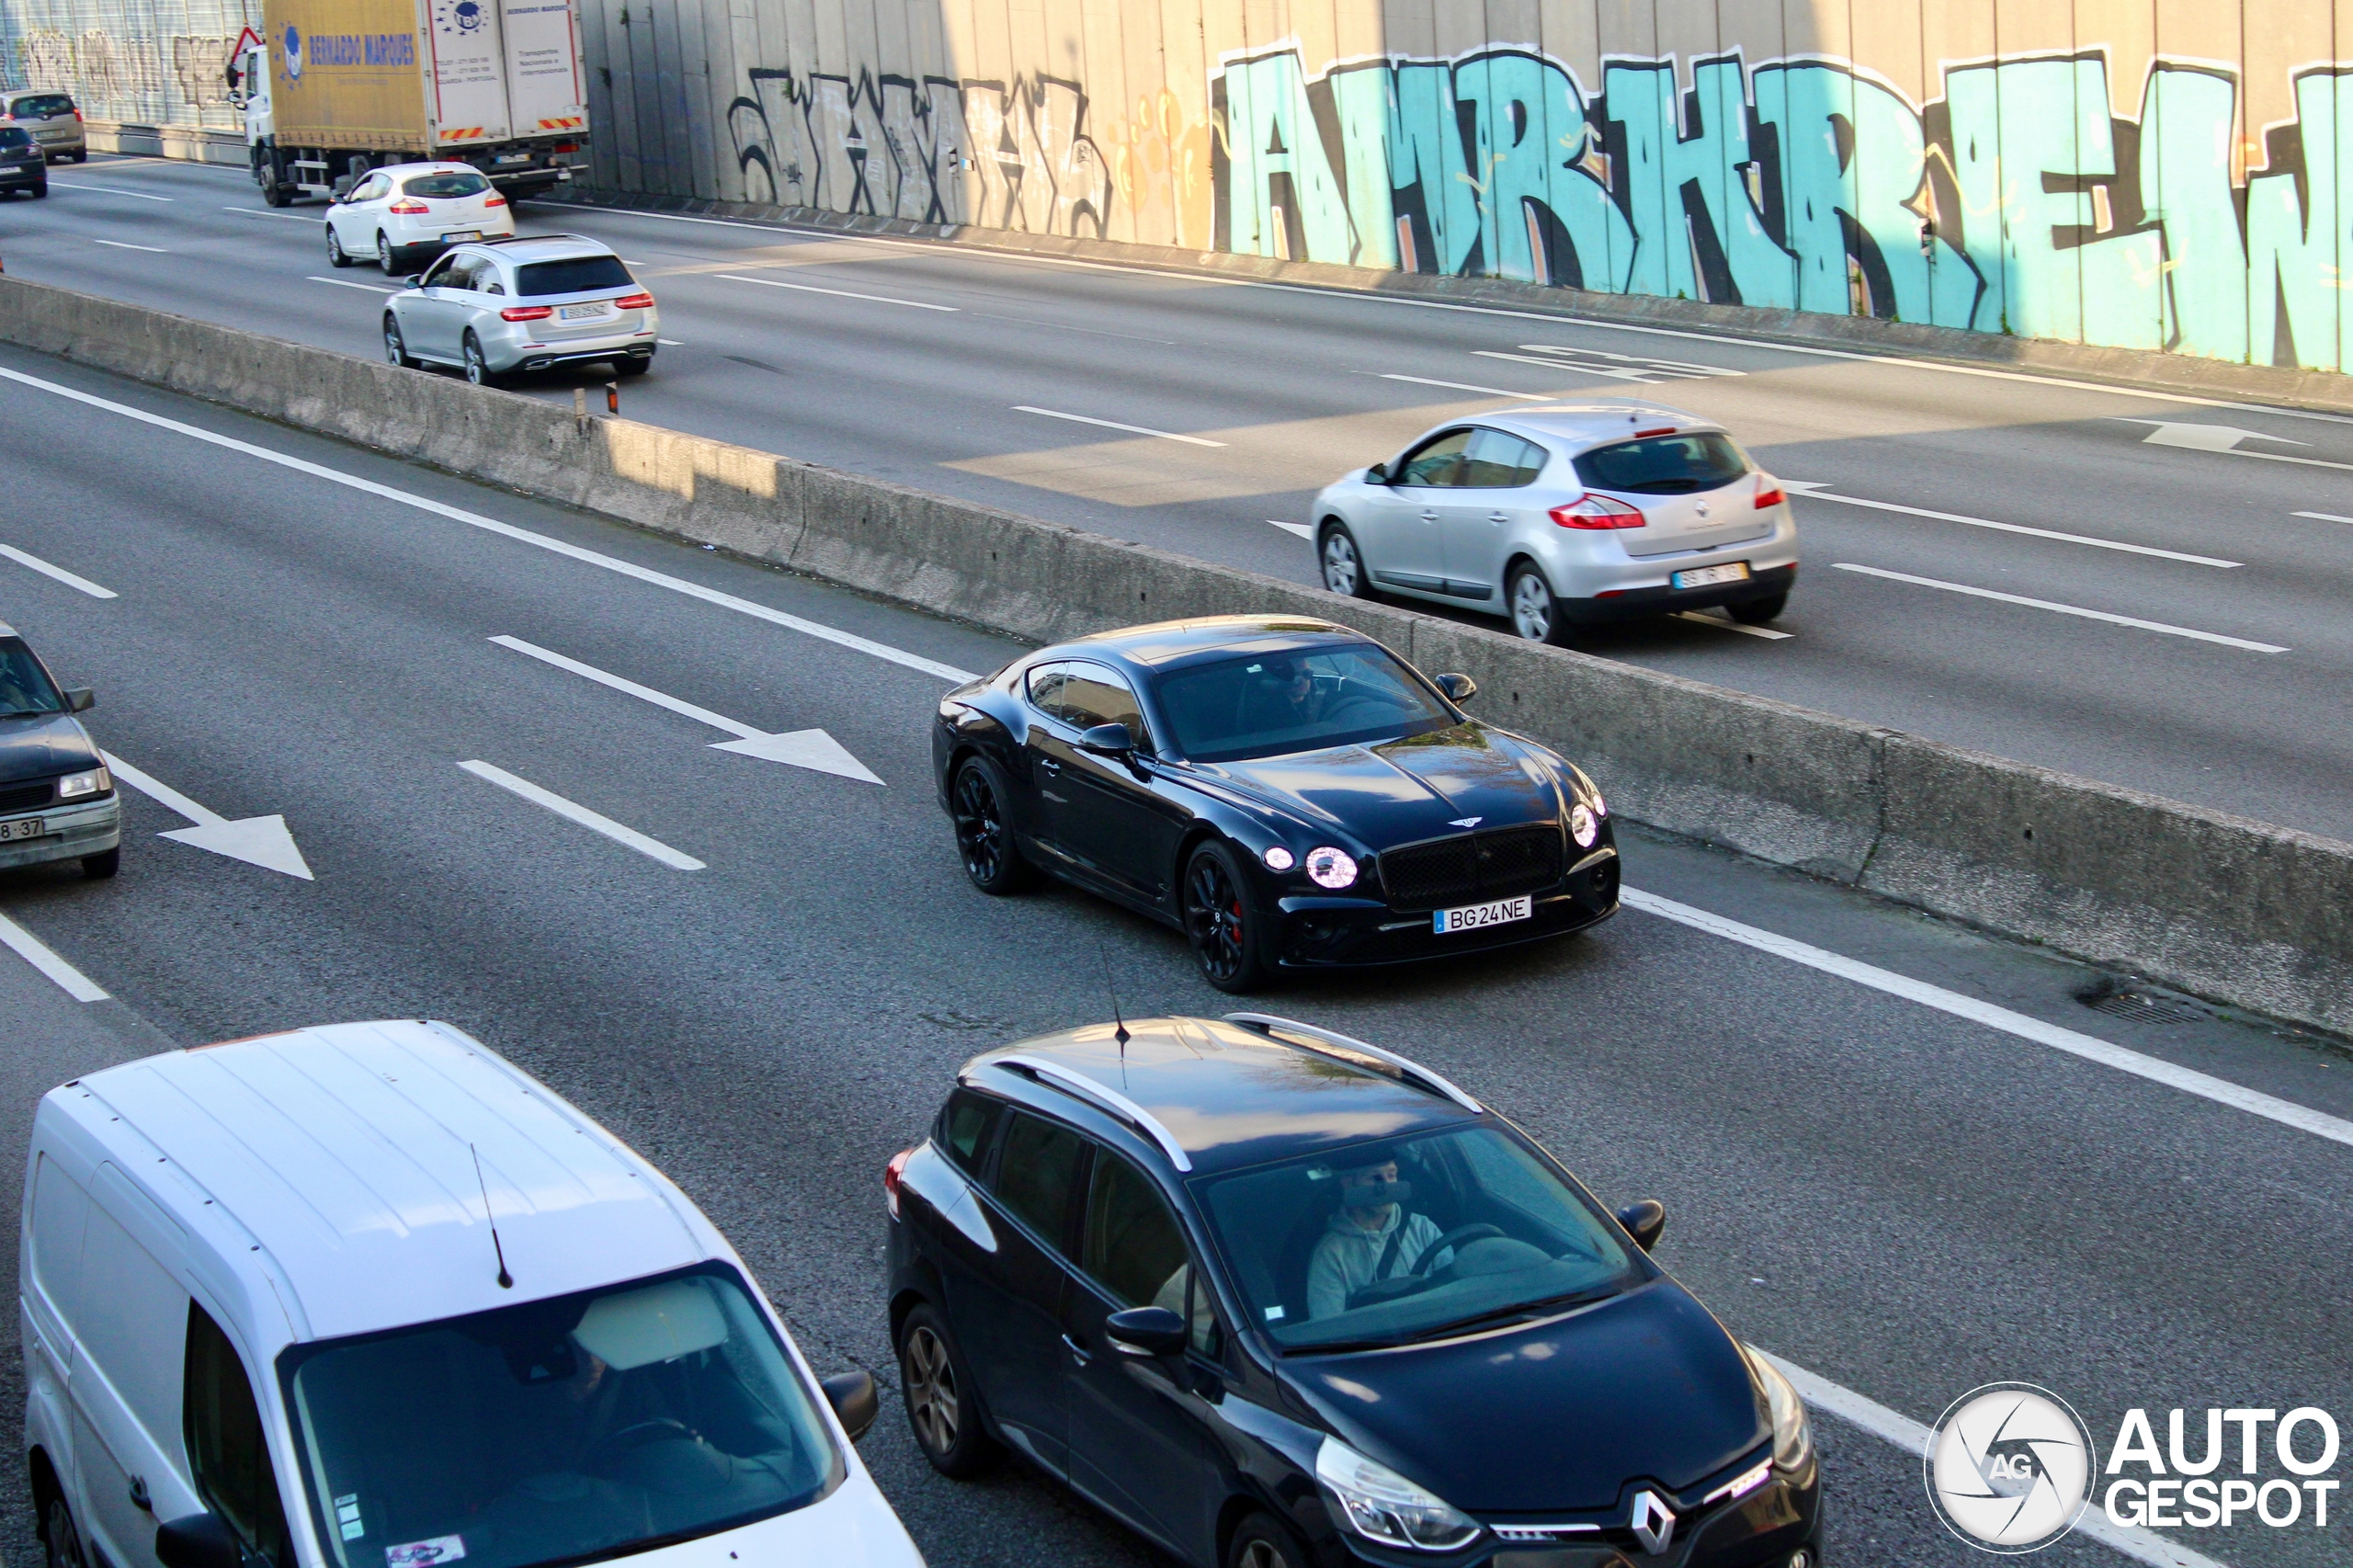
(1325,1042)
(1058,1076)
(531,239)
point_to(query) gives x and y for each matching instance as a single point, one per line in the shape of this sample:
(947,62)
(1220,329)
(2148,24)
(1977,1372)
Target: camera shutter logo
(2009,1467)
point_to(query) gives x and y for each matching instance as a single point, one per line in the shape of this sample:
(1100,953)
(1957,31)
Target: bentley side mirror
(1377,474)
(1644,1222)
(199,1541)
(1108,740)
(1145,1331)
(80,699)
(853,1401)
(1458,688)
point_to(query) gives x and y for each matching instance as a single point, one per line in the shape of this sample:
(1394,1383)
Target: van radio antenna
(505,1280)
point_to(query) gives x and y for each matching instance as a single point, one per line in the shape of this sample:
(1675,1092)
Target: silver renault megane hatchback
(1562,516)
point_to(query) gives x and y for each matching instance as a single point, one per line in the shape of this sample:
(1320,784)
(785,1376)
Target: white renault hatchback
(405,214)
(367,1296)
(1565,516)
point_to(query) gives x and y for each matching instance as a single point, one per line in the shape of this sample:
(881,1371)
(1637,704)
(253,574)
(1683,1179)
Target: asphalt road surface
(769,992)
(2181,631)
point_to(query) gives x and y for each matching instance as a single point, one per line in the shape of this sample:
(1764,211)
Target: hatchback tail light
(1597,512)
(409,205)
(526,313)
(1769,492)
(891,1174)
(77,117)
(494,200)
(634,302)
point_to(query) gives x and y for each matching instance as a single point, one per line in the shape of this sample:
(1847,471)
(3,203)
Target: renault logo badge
(1703,508)
(1654,1522)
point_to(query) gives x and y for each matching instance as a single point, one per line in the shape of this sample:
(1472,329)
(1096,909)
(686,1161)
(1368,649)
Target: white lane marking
(1640,361)
(2062,610)
(2142,1546)
(257,212)
(2303,1118)
(1703,618)
(654,848)
(1465,386)
(1302,529)
(60,572)
(812,749)
(838,293)
(1065,326)
(669,342)
(347,283)
(257,841)
(1557,317)
(119,245)
(2323,517)
(1813,491)
(1115,425)
(2223,438)
(1648,378)
(109,190)
(508,531)
(39,954)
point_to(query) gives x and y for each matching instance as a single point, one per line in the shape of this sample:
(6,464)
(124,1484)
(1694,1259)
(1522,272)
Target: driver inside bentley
(1373,1236)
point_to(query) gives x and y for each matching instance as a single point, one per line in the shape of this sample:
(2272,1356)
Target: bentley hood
(1646,1386)
(1393,792)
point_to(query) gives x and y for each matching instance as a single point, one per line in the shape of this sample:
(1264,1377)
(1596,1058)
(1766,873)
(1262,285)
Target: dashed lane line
(837,293)
(491,525)
(289,217)
(1465,386)
(82,583)
(1115,425)
(37,953)
(596,822)
(2057,608)
(348,283)
(121,245)
(1814,491)
(108,190)
(1700,618)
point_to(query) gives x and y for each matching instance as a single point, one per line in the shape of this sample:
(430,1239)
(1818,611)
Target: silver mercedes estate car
(1562,516)
(491,307)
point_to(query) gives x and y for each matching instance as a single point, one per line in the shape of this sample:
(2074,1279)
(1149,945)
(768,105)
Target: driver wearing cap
(1372,1236)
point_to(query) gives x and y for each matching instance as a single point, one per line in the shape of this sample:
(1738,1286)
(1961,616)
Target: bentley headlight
(1279,858)
(1584,826)
(1330,868)
(77,786)
(1382,1505)
(1792,1436)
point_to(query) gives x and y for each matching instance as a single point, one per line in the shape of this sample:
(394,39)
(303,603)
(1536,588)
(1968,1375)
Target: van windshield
(558,1431)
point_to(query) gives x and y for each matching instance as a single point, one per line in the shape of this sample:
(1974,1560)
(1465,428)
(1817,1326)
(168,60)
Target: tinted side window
(1037,1175)
(1435,463)
(226,1447)
(1497,462)
(1092,695)
(964,1129)
(1133,1247)
(1045,688)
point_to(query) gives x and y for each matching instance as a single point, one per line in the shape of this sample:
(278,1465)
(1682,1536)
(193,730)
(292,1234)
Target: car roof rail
(1325,1042)
(1060,1078)
(532,239)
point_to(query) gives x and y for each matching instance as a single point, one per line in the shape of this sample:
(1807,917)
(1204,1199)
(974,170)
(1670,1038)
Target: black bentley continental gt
(1286,792)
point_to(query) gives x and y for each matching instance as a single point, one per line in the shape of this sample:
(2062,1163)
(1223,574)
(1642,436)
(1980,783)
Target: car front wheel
(395,345)
(1535,613)
(976,803)
(64,1542)
(1219,921)
(940,1399)
(1259,1542)
(336,255)
(1343,568)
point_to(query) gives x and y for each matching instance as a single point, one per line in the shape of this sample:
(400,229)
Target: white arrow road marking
(2062,610)
(1302,529)
(37,953)
(573,811)
(2224,438)
(1814,491)
(812,749)
(60,572)
(257,841)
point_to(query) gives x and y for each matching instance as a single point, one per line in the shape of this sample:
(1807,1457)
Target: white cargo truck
(332,89)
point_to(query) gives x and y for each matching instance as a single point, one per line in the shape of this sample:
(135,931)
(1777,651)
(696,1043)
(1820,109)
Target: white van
(369,1296)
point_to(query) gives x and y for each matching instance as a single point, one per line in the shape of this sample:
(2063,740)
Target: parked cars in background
(57,797)
(1286,792)
(406,214)
(367,1296)
(23,166)
(1561,517)
(52,121)
(1274,1297)
(523,304)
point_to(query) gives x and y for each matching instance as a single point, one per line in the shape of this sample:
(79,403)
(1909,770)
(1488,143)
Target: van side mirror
(1145,1331)
(199,1541)
(1644,1222)
(1377,474)
(1458,688)
(80,699)
(853,1401)
(1108,740)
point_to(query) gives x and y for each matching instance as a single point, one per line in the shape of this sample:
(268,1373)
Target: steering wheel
(633,1436)
(1453,1238)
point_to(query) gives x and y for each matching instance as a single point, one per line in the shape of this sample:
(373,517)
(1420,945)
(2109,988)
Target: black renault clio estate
(1276,1298)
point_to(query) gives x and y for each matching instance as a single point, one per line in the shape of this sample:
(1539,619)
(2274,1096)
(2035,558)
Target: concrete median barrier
(2241,912)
